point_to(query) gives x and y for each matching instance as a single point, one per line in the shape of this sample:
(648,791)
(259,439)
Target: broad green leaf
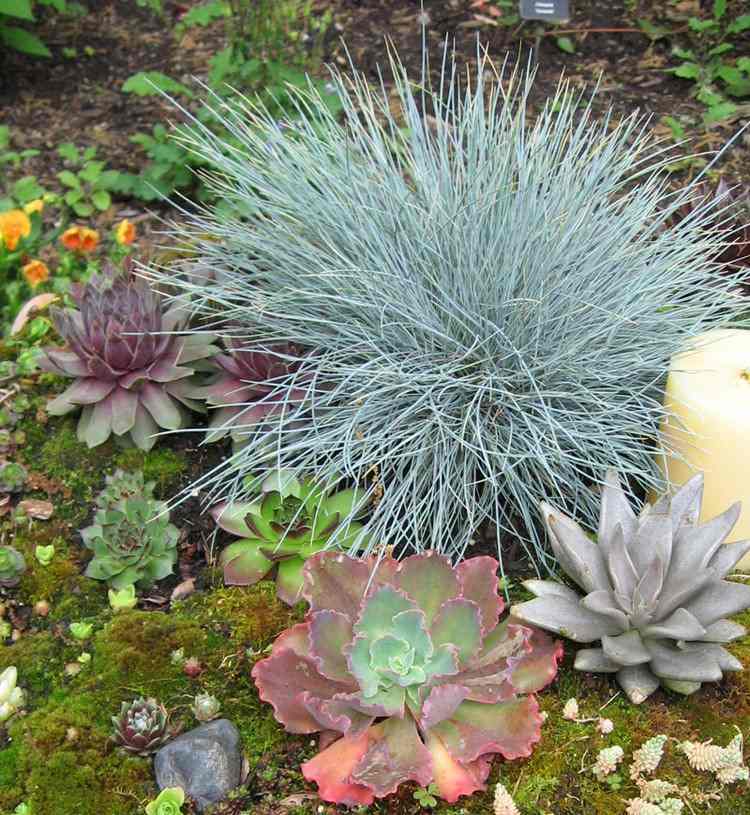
(4,137)
(688,70)
(729,74)
(72,197)
(23,41)
(82,209)
(739,25)
(205,14)
(27,189)
(678,130)
(91,171)
(719,112)
(21,9)
(720,9)
(152,83)
(101,199)
(709,96)
(740,88)
(701,25)
(683,53)
(221,66)
(69,179)
(69,152)
(565,44)
(721,49)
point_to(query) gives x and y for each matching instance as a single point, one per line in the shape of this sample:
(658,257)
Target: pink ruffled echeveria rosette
(132,375)
(407,673)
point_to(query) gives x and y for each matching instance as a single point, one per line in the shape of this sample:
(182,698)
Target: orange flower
(35,273)
(14,225)
(37,205)
(125,232)
(71,238)
(89,239)
(80,239)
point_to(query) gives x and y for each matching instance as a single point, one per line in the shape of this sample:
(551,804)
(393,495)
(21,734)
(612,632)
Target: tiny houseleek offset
(289,520)
(655,595)
(408,674)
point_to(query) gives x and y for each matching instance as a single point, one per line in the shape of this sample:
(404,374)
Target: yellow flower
(37,205)
(14,225)
(80,239)
(35,273)
(125,232)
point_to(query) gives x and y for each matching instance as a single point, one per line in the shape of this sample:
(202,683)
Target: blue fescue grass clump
(487,304)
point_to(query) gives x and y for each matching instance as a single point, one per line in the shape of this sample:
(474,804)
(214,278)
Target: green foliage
(13,12)
(255,60)
(204,14)
(425,796)
(14,158)
(154,5)
(711,53)
(147,83)
(87,180)
(131,537)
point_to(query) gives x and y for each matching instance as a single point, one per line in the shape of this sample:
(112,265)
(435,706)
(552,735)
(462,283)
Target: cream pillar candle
(708,393)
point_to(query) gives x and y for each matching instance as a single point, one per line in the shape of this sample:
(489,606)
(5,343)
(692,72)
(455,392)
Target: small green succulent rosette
(132,544)
(12,566)
(290,520)
(168,802)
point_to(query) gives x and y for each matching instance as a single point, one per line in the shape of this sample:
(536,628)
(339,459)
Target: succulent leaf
(661,612)
(445,682)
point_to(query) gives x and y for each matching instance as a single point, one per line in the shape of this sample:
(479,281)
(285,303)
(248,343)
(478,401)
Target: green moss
(251,617)
(90,783)
(162,465)
(40,660)
(54,450)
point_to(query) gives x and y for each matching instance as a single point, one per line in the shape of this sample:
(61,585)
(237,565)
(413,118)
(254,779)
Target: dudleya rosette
(131,371)
(655,593)
(407,673)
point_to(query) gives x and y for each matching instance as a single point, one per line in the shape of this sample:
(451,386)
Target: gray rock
(205,762)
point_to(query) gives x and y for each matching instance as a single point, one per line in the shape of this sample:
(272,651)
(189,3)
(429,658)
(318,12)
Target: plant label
(553,11)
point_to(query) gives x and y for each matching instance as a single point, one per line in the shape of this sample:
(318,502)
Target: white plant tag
(554,11)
